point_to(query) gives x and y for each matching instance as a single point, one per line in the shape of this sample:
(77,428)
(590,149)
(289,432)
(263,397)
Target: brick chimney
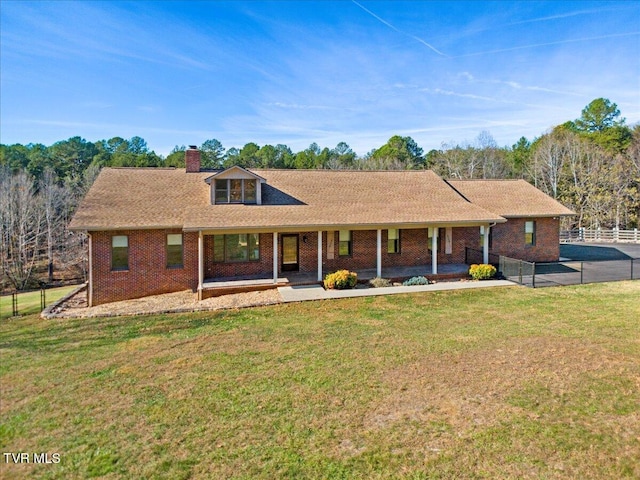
(192,159)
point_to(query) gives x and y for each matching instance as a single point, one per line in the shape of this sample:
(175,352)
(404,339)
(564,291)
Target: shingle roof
(510,198)
(135,198)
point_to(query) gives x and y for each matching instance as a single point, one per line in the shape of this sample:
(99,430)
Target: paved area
(590,252)
(316,292)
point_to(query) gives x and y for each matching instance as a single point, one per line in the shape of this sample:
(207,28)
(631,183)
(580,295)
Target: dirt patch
(471,390)
(185,301)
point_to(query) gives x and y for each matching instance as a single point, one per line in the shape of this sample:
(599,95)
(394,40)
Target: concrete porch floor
(248,283)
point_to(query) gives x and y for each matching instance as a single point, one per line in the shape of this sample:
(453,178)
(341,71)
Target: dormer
(236,185)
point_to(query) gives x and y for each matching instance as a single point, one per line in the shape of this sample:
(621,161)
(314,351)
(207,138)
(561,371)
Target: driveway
(591,262)
(593,252)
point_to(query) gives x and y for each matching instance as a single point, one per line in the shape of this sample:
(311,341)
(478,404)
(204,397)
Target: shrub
(340,280)
(379,282)
(482,271)
(415,281)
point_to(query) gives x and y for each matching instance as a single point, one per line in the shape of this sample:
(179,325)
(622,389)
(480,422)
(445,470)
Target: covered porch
(282,258)
(223,286)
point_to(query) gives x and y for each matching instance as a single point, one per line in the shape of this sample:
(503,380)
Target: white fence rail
(599,235)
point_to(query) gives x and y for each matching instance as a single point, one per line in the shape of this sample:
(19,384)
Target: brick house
(154,230)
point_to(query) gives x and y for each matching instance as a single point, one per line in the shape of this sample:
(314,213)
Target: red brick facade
(508,239)
(148,274)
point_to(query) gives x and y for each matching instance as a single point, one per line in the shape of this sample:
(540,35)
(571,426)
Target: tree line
(590,164)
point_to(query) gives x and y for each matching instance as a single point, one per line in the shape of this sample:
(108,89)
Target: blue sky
(180,73)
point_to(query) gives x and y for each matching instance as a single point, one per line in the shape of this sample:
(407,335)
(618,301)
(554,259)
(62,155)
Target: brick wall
(147,273)
(508,239)
(264,266)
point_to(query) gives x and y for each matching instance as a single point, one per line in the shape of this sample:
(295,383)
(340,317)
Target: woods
(590,164)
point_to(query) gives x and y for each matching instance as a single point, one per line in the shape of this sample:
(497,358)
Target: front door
(290,253)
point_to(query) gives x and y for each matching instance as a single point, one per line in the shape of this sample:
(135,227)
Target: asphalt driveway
(593,252)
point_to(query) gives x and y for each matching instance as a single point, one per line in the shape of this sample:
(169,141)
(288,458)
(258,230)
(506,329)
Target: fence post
(582,234)
(635,234)
(14,303)
(616,234)
(520,272)
(43,299)
(533,280)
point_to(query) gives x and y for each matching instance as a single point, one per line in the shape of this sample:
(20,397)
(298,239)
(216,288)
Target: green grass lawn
(29,302)
(488,383)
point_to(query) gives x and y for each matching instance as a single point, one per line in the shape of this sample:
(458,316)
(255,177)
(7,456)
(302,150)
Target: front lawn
(487,383)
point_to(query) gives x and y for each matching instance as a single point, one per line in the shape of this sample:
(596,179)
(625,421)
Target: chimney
(192,159)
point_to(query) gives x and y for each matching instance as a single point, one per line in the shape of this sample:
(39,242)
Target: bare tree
(22,219)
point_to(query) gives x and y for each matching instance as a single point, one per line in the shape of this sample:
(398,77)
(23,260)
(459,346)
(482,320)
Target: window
(393,240)
(240,247)
(344,246)
(120,252)
(530,233)
(235,190)
(174,250)
(222,191)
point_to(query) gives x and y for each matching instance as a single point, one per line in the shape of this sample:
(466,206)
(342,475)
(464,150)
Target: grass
(29,302)
(487,383)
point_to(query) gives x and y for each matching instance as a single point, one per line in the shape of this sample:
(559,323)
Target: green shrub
(415,281)
(482,271)
(379,282)
(341,280)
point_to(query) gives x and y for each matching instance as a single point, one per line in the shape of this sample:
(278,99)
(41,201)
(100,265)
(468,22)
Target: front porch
(227,285)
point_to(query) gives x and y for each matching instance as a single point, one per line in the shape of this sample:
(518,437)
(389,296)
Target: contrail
(574,40)
(400,31)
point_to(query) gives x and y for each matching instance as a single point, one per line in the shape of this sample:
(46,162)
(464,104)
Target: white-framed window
(393,240)
(119,252)
(345,244)
(530,232)
(174,250)
(235,190)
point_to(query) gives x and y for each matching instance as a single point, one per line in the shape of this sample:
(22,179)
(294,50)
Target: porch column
(434,251)
(200,263)
(485,244)
(379,255)
(275,257)
(320,255)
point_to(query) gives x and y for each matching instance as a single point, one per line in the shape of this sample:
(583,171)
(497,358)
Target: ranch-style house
(161,230)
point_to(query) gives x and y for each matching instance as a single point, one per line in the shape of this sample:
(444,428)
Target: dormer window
(235,190)
(236,185)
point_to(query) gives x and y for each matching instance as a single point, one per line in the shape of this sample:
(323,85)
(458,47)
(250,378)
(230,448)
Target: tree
(21,227)
(53,198)
(212,154)
(176,157)
(599,115)
(399,151)
(520,157)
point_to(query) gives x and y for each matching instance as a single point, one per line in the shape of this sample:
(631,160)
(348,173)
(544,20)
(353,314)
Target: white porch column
(275,257)
(379,255)
(485,244)
(320,255)
(200,263)
(434,251)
